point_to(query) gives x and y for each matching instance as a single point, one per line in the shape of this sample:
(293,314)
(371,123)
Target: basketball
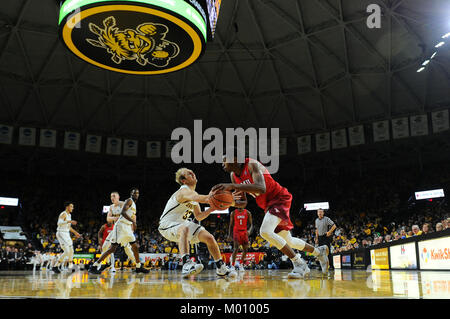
(221,199)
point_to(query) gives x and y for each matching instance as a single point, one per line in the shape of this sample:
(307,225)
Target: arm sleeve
(61,220)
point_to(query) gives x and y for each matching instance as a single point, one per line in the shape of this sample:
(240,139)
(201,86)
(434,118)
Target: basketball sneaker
(323,258)
(56,270)
(225,271)
(191,268)
(94,270)
(112,269)
(300,270)
(142,270)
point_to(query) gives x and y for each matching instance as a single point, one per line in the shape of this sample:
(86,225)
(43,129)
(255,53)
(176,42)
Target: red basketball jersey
(273,189)
(240,220)
(106,231)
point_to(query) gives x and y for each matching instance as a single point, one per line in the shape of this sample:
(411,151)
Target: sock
(138,265)
(70,266)
(316,252)
(219,263)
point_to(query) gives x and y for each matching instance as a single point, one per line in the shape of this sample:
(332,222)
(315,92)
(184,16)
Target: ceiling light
(420,70)
(439,44)
(434,54)
(426,62)
(445,36)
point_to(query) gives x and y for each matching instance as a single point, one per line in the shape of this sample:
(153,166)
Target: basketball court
(267,284)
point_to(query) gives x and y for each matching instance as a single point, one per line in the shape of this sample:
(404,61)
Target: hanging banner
(114,146)
(419,125)
(130,147)
(283,146)
(27,136)
(322,142)
(47,138)
(72,141)
(440,121)
(6,133)
(154,149)
(381,131)
(339,139)
(304,144)
(93,143)
(356,135)
(400,128)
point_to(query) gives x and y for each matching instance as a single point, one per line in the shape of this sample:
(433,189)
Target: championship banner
(356,135)
(139,37)
(6,133)
(93,143)
(322,142)
(130,147)
(283,146)
(154,149)
(440,121)
(381,131)
(255,257)
(304,144)
(47,138)
(72,141)
(419,125)
(400,128)
(339,139)
(114,146)
(27,136)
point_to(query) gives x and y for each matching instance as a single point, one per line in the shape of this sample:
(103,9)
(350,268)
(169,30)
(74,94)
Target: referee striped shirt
(323,225)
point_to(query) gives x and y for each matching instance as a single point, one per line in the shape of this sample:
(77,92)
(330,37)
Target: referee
(323,234)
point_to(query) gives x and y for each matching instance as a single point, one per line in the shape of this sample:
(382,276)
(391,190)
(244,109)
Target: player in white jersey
(174,224)
(113,215)
(123,229)
(63,231)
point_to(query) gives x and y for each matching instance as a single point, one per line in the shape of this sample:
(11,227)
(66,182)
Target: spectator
(416,230)
(439,227)
(426,229)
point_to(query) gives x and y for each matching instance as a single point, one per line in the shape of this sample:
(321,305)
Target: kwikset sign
(142,37)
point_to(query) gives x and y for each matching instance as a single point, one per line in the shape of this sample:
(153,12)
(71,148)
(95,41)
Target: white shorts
(123,234)
(64,239)
(170,231)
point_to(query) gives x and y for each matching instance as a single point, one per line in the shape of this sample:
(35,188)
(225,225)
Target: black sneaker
(56,270)
(142,270)
(93,270)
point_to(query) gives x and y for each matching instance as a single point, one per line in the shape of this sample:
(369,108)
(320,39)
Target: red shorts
(241,237)
(280,207)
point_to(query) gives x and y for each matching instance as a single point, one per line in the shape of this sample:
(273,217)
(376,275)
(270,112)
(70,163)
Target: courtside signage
(379,258)
(403,256)
(9,201)
(142,37)
(434,253)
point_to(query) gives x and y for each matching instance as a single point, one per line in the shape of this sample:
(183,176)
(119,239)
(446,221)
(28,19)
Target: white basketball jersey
(116,210)
(131,212)
(65,225)
(176,212)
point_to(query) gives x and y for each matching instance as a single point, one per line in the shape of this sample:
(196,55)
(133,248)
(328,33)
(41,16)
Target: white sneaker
(323,258)
(300,270)
(232,267)
(112,269)
(225,271)
(241,267)
(191,268)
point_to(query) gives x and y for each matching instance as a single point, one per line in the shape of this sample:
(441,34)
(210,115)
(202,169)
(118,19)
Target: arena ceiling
(304,66)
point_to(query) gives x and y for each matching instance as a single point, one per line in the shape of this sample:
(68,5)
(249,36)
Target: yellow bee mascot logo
(145,45)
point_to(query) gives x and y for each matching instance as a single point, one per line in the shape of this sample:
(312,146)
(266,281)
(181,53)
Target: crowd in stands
(370,209)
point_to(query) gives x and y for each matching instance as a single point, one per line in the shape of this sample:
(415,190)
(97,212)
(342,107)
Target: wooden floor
(249,284)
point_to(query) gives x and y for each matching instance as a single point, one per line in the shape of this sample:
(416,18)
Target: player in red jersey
(103,233)
(239,219)
(253,178)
